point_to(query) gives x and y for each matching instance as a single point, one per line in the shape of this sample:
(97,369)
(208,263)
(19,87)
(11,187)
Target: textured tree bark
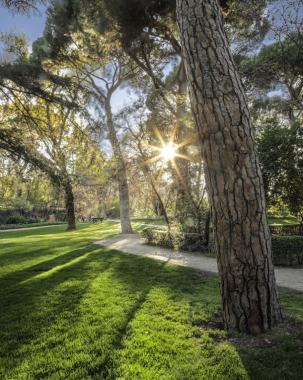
(126,227)
(70,206)
(233,176)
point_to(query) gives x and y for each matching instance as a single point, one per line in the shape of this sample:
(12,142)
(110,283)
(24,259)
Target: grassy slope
(72,310)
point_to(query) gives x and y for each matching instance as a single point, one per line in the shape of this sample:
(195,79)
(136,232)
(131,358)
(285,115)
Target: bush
(175,240)
(286,229)
(32,220)
(16,219)
(287,250)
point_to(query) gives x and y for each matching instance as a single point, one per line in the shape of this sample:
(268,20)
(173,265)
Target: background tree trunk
(126,227)
(181,173)
(185,204)
(70,206)
(233,176)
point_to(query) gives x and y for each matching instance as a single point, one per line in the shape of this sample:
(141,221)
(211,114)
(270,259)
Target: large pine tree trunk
(126,227)
(70,206)
(233,176)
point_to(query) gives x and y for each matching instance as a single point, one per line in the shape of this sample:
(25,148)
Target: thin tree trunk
(157,194)
(70,206)
(126,227)
(233,176)
(124,199)
(185,204)
(207,229)
(147,173)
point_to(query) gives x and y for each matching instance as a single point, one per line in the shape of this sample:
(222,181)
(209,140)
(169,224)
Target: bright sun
(168,152)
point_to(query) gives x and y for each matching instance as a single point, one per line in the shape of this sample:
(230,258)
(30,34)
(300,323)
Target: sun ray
(159,136)
(168,150)
(180,155)
(175,166)
(188,141)
(153,159)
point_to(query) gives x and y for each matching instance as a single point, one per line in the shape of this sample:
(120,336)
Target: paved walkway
(287,277)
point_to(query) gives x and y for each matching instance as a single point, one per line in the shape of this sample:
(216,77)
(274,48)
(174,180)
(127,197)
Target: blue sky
(31,25)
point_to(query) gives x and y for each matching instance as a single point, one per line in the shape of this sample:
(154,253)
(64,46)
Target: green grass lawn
(28,225)
(283,220)
(74,310)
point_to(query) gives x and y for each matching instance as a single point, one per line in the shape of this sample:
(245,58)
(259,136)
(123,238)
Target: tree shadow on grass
(35,303)
(274,355)
(21,252)
(35,298)
(12,279)
(46,294)
(82,303)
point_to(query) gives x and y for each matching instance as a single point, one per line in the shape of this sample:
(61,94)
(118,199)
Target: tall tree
(42,133)
(102,70)
(104,82)
(233,176)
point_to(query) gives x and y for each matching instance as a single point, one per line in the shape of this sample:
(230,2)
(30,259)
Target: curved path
(291,278)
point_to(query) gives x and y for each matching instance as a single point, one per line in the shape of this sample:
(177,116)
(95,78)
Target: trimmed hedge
(287,250)
(16,219)
(286,230)
(176,240)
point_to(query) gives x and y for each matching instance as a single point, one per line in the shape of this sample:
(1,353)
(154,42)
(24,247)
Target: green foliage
(15,45)
(133,16)
(275,63)
(287,229)
(16,219)
(279,148)
(61,17)
(287,250)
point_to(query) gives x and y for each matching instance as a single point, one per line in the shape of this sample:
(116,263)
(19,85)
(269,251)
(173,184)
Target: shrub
(286,230)
(287,250)
(16,219)
(176,239)
(32,220)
